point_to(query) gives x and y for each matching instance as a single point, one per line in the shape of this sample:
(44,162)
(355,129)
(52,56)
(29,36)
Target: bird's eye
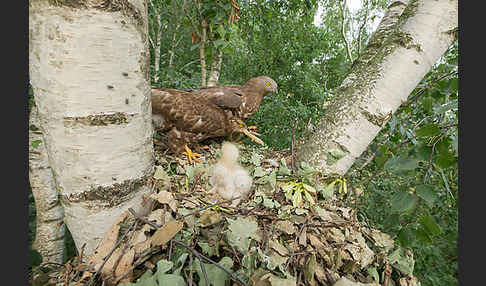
(267,83)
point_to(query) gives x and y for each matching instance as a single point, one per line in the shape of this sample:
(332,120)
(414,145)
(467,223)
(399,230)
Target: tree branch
(360,31)
(343,34)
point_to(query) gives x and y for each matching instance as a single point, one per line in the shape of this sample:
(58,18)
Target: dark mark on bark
(108,196)
(99,119)
(377,120)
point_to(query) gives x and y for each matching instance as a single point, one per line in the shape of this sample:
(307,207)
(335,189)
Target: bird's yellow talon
(191,156)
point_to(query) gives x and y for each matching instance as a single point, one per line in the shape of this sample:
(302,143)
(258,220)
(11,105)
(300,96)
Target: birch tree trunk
(157,49)
(202,53)
(215,68)
(50,231)
(89,69)
(410,39)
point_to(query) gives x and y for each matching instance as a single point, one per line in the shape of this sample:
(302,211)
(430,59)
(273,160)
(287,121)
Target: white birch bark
(89,69)
(202,53)
(215,68)
(411,38)
(50,231)
(157,49)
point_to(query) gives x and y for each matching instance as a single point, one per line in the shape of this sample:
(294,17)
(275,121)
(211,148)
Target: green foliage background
(409,173)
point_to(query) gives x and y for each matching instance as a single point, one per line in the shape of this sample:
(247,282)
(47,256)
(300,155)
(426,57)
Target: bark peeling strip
(117,118)
(107,196)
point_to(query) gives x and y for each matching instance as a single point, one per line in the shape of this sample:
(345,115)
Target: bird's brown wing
(189,112)
(224,97)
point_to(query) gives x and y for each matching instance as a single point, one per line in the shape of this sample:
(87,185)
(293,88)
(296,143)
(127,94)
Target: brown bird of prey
(195,115)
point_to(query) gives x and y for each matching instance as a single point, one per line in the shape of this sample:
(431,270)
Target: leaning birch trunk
(89,69)
(215,68)
(408,42)
(50,231)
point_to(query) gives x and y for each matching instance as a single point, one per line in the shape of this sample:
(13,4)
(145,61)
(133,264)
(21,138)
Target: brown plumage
(245,99)
(195,115)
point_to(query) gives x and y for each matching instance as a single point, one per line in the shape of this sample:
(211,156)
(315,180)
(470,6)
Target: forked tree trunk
(50,231)
(89,69)
(408,42)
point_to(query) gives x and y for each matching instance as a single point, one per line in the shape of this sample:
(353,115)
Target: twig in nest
(209,206)
(137,216)
(170,249)
(190,269)
(203,269)
(200,256)
(68,271)
(306,223)
(115,265)
(111,252)
(192,250)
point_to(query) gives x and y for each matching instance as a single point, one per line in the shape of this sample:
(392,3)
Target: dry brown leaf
(321,274)
(286,226)
(278,247)
(142,246)
(303,237)
(345,212)
(209,217)
(346,282)
(257,280)
(165,197)
(189,205)
(336,235)
(108,268)
(138,237)
(156,216)
(167,232)
(108,242)
(125,263)
(316,242)
(381,239)
(86,275)
(277,281)
(362,255)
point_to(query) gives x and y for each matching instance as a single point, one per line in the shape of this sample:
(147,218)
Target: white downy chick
(228,178)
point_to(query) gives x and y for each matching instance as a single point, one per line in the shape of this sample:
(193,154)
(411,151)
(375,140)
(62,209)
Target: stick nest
(294,229)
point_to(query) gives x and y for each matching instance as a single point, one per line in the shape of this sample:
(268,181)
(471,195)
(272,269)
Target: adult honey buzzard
(195,115)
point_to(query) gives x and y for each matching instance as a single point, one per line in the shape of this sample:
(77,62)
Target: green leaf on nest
(427,193)
(403,201)
(401,164)
(216,276)
(239,233)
